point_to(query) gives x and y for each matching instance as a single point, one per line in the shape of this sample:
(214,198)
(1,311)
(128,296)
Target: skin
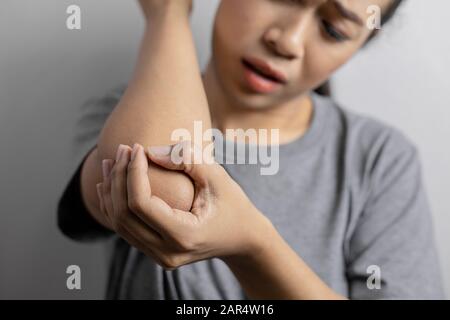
(148,112)
(223,222)
(289,35)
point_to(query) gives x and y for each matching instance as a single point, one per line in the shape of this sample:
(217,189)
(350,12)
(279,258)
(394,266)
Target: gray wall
(47,72)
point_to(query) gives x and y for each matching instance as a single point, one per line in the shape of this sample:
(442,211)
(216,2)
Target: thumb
(186,157)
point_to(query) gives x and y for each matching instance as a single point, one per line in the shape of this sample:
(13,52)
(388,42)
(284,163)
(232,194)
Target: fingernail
(106,168)
(160,150)
(119,152)
(135,151)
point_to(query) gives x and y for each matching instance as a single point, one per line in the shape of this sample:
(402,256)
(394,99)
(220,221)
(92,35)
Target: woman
(346,214)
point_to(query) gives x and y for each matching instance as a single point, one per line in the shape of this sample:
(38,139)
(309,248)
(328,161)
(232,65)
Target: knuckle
(121,166)
(170,263)
(188,168)
(135,204)
(187,152)
(132,167)
(186,243)
(114,173)
(118,169)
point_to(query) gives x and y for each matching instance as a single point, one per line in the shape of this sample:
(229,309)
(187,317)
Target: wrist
(178,10)
(258,244)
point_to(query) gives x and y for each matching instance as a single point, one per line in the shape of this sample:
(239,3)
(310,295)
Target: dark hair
(325,88)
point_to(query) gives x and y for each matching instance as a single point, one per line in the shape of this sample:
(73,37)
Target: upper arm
(79,202)
(175,188)
(89,178)
(394,231)
(74,219)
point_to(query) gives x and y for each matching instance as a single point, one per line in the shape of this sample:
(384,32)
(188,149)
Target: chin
(243,98)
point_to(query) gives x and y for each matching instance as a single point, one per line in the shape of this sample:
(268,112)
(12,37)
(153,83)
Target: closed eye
(333,32)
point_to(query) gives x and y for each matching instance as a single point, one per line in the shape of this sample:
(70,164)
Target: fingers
(138,183)
(125,195)
(186,157)
(114,200)
(136,227)
(100,197)
(142,219)
(151,209)
(99,187)
(135,241)
(119,181)
(107,166)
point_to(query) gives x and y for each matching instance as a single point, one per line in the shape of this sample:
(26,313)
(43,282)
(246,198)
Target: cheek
(323,59)
(239,24)
(234,33)
(231,17)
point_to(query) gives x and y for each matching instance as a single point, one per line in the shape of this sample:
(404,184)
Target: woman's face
(304,40)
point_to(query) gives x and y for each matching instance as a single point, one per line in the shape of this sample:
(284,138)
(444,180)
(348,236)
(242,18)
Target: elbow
(174,187)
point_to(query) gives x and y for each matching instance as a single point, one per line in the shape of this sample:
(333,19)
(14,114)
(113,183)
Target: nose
(287,39)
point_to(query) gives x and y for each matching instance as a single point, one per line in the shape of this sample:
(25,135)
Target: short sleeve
(394,233)
(73,218)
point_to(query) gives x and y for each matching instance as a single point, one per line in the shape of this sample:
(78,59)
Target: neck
(292,119)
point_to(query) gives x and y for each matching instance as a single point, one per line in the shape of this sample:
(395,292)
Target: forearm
(274,271)
(165,93)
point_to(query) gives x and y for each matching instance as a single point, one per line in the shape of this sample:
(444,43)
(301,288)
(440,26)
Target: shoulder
(366,136)
(373,151)
(371,133)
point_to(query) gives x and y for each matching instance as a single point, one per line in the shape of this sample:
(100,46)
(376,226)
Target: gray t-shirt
(348,198)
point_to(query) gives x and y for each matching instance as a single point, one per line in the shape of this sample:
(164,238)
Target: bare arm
(273,270)
(165,93)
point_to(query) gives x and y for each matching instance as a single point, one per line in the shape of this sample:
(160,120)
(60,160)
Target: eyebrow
(346,13)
